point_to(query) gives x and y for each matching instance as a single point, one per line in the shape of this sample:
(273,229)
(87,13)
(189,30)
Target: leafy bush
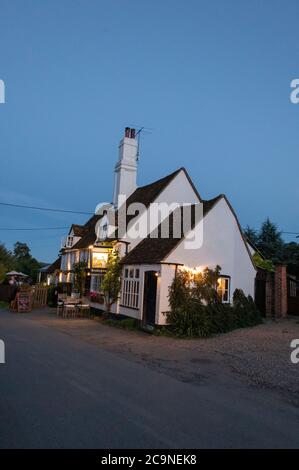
(111,281)
(64,288)
(246,311)
(52,296)
(80,276)
(196,310)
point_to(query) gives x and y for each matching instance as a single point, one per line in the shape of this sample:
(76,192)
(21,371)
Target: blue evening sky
(211,78)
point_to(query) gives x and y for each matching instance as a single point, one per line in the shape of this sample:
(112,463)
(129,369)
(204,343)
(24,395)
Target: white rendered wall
(223,245)
(137,313)
(179,191)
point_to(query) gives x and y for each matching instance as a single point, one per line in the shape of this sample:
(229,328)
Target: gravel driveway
(260,356)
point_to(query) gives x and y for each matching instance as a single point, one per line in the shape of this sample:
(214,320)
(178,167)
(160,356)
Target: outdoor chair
(69,310)
(83,309)
(60,303)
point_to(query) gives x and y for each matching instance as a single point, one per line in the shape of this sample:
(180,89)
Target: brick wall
(269,294)
(280,291)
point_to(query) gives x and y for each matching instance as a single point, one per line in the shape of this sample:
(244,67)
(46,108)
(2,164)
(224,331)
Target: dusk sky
(210,78)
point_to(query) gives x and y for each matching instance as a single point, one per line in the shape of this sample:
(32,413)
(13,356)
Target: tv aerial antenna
(141,130)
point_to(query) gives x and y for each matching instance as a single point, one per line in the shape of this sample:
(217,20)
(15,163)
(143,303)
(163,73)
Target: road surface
(58,391)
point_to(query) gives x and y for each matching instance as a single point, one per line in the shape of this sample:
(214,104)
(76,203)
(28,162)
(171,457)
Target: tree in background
(6,261)
(252,235)
(21,251)
(291,257)
(24,262)
(270,242)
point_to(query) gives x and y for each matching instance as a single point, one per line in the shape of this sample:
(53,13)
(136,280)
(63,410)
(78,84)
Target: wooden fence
(40,295)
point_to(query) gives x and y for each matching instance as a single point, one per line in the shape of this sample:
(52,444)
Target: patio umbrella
(13,273)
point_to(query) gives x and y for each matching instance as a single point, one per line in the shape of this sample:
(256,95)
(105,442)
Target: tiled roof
(144,195)
(89,236)
(78,230)
(54,266)
(154,250)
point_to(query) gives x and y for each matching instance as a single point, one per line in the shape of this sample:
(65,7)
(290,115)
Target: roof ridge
(170,175)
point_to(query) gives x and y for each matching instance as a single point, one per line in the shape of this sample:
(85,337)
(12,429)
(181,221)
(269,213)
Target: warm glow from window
(195,270)
(99,260)
(223,288)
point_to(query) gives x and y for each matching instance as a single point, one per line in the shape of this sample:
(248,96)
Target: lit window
(130,288)
(99,260)
(223,288)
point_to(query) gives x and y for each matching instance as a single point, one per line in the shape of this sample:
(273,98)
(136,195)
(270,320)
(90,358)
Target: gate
(293,295)
(260,290)
(40,296)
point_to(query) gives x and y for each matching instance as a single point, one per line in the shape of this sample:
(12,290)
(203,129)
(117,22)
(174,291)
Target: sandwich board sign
(24,302)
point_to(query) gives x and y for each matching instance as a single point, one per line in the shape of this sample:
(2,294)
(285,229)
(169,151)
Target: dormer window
(103,229)
(103,232)
(69,241)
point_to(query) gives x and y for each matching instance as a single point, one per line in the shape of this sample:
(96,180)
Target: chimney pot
(127,132)
(133,133)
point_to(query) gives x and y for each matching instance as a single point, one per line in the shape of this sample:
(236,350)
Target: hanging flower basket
(96,297)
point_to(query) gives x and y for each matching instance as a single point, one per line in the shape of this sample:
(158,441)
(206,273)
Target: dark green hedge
(194,319)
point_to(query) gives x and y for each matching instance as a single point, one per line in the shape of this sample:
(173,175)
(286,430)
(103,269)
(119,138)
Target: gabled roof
(53,267)
(78,230)
(144,195)
(154,250)
(148,193)
(89,235)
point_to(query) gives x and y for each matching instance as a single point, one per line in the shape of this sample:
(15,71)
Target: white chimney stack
(126,167)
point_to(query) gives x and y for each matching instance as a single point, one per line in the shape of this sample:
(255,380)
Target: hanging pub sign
(24,301)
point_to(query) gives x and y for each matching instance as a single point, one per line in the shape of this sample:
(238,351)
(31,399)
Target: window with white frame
(96,282)
(223,288)
(84,255)
(130,288)
(293,288)
(63,262)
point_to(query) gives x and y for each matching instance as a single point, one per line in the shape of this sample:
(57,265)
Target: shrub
(190,319)
(52,296)
(196,310)
(245,310)
(126,323)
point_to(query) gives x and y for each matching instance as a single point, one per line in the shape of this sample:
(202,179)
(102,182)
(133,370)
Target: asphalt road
(58,391)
